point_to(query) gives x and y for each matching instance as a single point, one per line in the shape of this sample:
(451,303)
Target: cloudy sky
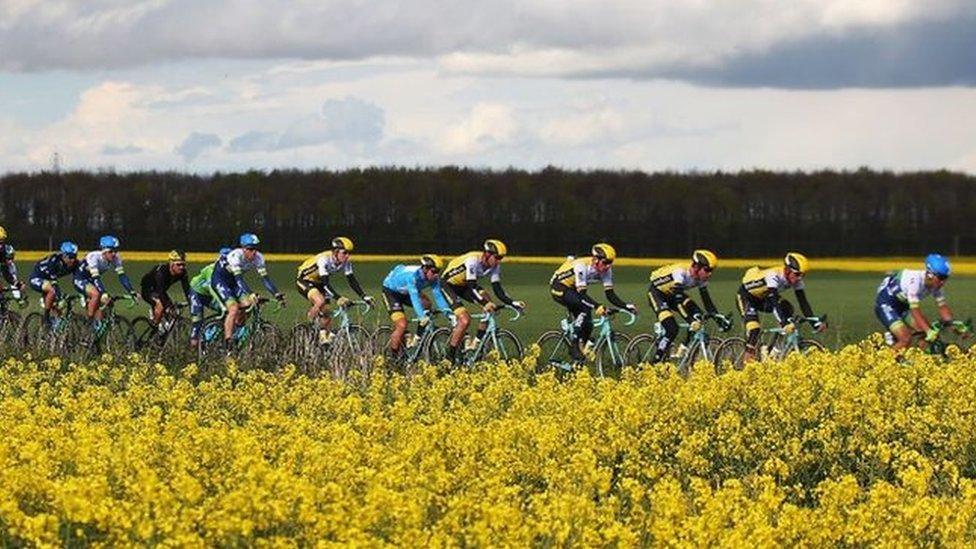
(202,85)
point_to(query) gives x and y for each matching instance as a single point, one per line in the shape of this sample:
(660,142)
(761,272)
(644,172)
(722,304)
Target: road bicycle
(940,346)
(10,320)
(701,345)
(506,343)
(113,334)
(165,338)
(413,349)
(606,351)
(255,336)
(350,348)
(52,333)
(775,344)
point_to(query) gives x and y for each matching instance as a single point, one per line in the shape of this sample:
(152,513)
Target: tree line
(552,211)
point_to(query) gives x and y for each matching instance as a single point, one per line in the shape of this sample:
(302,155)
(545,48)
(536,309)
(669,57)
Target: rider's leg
(230,321)
(196,317)
(51,295)
(399,321)
(157,311)
(670,325)
(463,321)
(903,335)
(750,319)
(94,302)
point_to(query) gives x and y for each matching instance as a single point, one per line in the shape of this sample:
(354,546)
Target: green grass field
(846,297)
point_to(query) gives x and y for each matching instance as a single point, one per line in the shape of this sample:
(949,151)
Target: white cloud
(197,144)
(486,126)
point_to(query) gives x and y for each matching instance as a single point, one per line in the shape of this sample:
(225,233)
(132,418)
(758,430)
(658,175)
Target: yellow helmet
(496,247)
(797,262)
(705,258)
(432,261)
(3,233)
(604,251)
(342,243)
(177,256)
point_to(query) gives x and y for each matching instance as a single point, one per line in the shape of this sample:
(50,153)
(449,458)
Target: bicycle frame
(604,327)
(784,343)
(342,315)
(490,341)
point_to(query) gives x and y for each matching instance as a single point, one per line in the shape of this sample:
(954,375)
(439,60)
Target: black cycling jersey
(159,279)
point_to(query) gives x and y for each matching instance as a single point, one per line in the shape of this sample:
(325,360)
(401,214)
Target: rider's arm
(707,301)
(479,294)
(918,319)
(123,278)
(500,293)
(185,284)
(801,298)
(10,272)
(945,313)
(265,278)
(355,285)
(416,302)
(439,298)
(612,297)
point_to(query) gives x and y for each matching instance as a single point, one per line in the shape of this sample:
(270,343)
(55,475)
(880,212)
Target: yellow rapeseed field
(849,448)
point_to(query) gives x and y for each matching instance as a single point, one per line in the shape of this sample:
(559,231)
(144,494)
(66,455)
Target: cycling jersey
(321,266)
(47,272)
(760,282)
(155,284)
(92,267)
(7,266)
(228,275)
(201,282)
(579,273)
(468,267)
(908,287)
(410,281)
(674,279)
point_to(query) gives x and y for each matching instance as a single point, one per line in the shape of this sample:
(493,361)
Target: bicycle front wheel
(119,338)
(730,353)
(507,344)
(553,352)
(610,355)
(640,350)
(436,347)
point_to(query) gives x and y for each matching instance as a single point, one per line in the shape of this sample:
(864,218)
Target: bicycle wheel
(730,353)
(119,338)
(507,344)
(610,355)
(436,347)
(9,328)
(32,332)
(640,350)
(145,333)
(304,349)
(808,345)
(553,352)
(350,352)
(264,345)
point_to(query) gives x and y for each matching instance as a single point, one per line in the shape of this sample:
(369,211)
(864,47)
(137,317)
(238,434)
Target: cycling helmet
(249,240)
(3,233)
(938,265)
(605,252)
(432,261)
(496,247)
(10,251)
(69,248)
(224,251)
(109,242)
(796,262)
(704,258)
(342,243)
(177,255)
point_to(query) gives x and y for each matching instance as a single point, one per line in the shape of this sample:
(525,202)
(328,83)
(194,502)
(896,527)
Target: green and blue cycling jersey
(409,281)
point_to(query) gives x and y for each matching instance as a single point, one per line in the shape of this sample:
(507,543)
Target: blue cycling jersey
(410,280)
(53,268)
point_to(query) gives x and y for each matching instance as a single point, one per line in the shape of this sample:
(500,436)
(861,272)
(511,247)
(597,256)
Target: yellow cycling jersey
(674,278)
(759,282)
(322,265)
(467,267)
(579,272)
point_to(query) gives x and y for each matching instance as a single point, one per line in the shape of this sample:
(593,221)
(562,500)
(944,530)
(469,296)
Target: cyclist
(404,286)
(900,293)
(667,296)
(461,284)
(7,266)
(760,293)
(228,281)
(44,278)
(155,284)
(88,277)
(313,283)
(568,288)
(201,297)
